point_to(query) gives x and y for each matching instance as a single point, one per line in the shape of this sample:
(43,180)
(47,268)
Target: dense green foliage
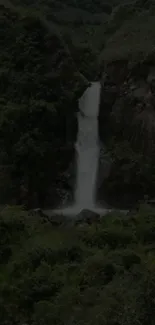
(98,274)
(40,84)
(75,274)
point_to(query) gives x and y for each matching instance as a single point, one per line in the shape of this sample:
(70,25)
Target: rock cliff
(127,128)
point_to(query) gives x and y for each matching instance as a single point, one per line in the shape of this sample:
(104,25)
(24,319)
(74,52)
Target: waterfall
(87,147)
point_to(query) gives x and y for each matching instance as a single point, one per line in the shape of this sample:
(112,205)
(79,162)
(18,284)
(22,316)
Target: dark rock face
(127,129)
(104,169)
(87,216)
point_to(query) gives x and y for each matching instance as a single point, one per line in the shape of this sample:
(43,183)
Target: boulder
(48,216)
(87,216)
(37,212)
(56,219)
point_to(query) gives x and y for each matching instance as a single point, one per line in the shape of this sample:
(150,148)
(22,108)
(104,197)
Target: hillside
(72,19)
(134,40)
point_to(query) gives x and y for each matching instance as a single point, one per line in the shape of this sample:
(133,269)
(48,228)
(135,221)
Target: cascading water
(87,148)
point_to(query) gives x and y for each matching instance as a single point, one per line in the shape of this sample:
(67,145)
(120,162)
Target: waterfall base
(74,210)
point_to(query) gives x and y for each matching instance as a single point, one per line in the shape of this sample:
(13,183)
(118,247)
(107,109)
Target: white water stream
(87,148)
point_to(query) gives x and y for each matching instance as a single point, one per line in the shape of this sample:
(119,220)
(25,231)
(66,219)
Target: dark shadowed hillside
(128,106)
(40,84)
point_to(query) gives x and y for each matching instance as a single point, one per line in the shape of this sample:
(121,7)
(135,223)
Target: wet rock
(104,169)
(87,216)
(56,219)
(151,75)
(140,93)
(105,162)
(37,212)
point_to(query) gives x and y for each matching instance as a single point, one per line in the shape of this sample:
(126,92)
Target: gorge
(41,84)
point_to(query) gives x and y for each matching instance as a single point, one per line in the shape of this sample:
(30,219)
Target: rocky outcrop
(87,216)
(127,129)
(55,219)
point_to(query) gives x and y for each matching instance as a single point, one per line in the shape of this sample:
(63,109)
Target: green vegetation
(76,274)
(134,40)
(40,85)
(125,29)
(100,273)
